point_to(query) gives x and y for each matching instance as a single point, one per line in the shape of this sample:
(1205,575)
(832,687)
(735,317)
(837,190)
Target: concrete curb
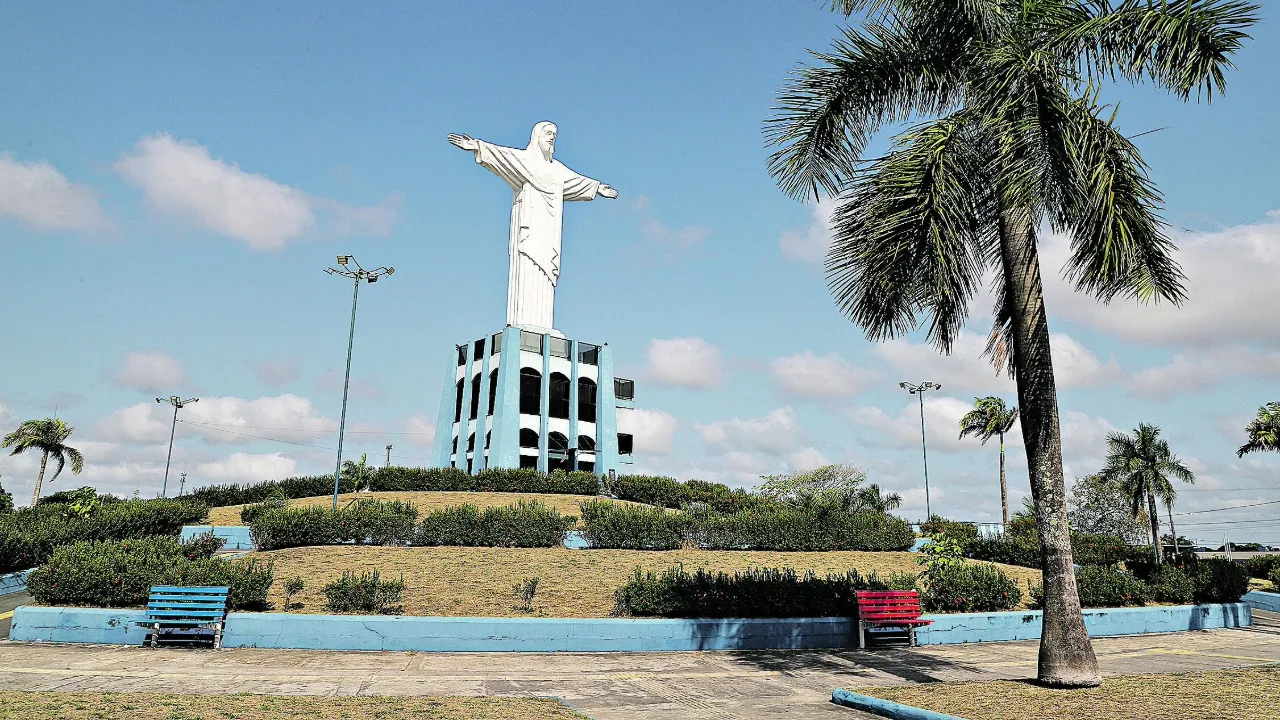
(1259,600)
(886,708)
(13,583)
(959,628)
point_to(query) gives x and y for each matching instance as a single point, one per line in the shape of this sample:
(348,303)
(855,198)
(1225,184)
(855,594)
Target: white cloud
(942,424)
(806,375)
(422,431)
(654,430)
(231,419)
(684,362)
(807,458)
(776,433)
(1084,443)
(810,244)
(1202,368)
(242,467)
(278,373)
(668,243)
(181,178)
(43,199)
(1074,365)
(966,369)
(150,371)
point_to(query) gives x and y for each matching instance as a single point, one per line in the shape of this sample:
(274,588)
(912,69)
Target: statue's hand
(465,142)
(606,191)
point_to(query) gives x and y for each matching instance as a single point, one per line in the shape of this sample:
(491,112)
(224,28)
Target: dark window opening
(587,466)
(588,354)
(528,438)
(530,341)
(560,348)
(530,392)
(586,443)
(586,400)
(471,443)
(475,395)
(555,463)
(624,443)
(470,465)
(477,354)
(457,404)
(557,443)
(558,402)
(493,390)
(495,344)
(455,445)
(462,355)
(487,437)
(624,389)
(529,461)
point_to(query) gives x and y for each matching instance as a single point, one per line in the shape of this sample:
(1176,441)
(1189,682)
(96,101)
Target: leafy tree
(991,418)
(49,436)
(360,474)
(1101,508)
(1013,138)
(834,486)
(1263,430)
(6,501)
(1140,465)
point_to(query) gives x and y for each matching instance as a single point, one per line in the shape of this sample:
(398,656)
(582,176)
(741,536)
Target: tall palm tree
(1141,465)
(49,436)
(1263,430)
(1013,138)
(990,418)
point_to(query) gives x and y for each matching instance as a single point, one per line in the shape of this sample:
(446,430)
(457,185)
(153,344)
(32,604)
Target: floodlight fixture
(919,389)
(178,403)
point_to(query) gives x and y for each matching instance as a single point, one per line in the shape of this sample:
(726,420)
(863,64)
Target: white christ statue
(540,187)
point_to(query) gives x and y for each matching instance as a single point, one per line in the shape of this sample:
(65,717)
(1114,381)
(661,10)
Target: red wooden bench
(892,608)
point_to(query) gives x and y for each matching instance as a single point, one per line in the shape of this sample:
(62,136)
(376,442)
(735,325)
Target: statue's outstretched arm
(466,142)
(606,191)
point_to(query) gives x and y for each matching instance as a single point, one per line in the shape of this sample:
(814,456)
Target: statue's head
(543,138)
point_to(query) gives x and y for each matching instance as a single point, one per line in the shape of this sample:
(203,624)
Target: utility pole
(178,403)
(920,390)
(182,484)
(388,464)
(358,274)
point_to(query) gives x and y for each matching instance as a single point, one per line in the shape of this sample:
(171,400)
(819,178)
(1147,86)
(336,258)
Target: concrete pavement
(8,603)
(637,686)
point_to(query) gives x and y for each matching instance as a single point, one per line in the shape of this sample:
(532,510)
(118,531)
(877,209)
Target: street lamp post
(178,403)
(358,274)
(919,390)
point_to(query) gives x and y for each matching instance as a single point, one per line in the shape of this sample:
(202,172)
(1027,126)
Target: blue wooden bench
(171,606)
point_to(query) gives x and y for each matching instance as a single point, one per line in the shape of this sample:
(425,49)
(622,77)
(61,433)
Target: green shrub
(294,527)
(961,532)
(121,573)
(758,592)
(292,586)
(784,527)
(364,593)
(275,501)
(1261,566)
(1169,584)
(6,501)
(1096,549)
(367,521)
(294,487)
(1220,581)
(523,592)
(615,525)
(1274,577)
(1100,586)
(970,587)
(671,493)
(1022,550)
(525,524)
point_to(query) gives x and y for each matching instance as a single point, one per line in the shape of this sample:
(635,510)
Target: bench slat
(188,603)
(186,613)
(191,588)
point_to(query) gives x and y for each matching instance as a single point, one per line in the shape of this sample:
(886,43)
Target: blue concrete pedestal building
(523,398)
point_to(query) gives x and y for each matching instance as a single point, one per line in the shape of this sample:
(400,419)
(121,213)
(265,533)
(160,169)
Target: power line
(291,442)
(1233,507)
(1232,522)
(320,432)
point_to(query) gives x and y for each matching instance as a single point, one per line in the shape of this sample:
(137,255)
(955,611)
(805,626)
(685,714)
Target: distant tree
(1263,430)
(360,474)
(6,501)
(1099,507)
(836,486)
(1141,466)
(49,436)
(991,418)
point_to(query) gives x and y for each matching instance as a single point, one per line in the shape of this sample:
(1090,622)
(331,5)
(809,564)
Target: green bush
(6,501)
(120,573)
(671,493)
(367,521)
(1022,550)
(784,527)
(294,487)
(629,527)
(1100,586)
(1261,566)
(1095,549)
(364,593)
(29,536)
(294,527)
(970,587)
(1169,584)
(1220,581)
(961,532)
(1274,577)
(755,593)
(525,524)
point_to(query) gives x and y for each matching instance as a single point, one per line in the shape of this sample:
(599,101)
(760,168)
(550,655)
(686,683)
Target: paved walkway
(636,686)
(8,603)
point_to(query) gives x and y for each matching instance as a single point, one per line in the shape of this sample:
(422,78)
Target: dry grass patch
(1242,694)
(475,581)
(150,706)
(424,501)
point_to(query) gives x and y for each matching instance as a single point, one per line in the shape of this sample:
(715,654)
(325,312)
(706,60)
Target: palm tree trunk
(1004,488)
(35,496)
(1155,523)
(1173,531)
(1066,654)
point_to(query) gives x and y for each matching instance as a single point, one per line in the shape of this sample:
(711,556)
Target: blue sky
(173,179)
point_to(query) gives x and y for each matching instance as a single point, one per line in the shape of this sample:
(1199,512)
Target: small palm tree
(1263,430)
(49,436)
(359,473)
(1141,465)
(991,418)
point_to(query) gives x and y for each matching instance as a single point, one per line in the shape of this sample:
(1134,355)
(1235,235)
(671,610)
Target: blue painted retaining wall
(14,582)
(237,536)
(1259,600)
(1100,622)
(452,634)
(108,626)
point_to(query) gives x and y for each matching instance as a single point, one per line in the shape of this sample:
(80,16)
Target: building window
(529,461)
(558,402)
(487,436)
(586,400)
(477,354)
(475,395)
(530,392)
(455,445)
(588,354)
(470,465)
(530,341)
(457,403)
(624,443)
(557,443)
(495,344)
(560,347)
(462,355)
(587,466)
(624,389)
(586,443)
(493,390)
(471,443)
(528,438)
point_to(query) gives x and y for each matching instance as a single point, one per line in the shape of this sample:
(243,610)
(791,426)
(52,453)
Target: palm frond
(1263,431)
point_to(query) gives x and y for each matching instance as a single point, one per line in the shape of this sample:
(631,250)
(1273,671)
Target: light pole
(356,275)
(178,403)
(182,484)
(388,457)
(920,390)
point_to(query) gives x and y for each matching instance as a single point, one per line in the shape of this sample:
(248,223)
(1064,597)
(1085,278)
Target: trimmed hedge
(630,527)
(1219,581)
(121,573)
(29,536)
(755,593)
(525,524)
(791,528)
(668,492)
(1169,584)
(970,587)
(1024,549)
(1274,577)
(1100,586)
(364,593)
